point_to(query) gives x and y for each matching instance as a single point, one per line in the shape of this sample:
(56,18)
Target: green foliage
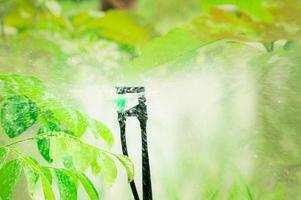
(253,7)
(26,102)
(43,37)
(250,21)
(9,176)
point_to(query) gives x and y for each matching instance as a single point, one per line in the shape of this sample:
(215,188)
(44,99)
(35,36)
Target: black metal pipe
(146,175)
(122,120)
(139,111)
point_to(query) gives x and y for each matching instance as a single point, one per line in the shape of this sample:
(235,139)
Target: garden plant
(242,56)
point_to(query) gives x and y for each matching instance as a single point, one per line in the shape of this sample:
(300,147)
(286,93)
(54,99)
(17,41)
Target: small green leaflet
(66,185)
(107,168)
(44,144)
(32,179)
(99,128)
(48,193)
(128,165)
(43,173)
(3,155)
(89,187)
(9,176)
(18,113)
(49,124)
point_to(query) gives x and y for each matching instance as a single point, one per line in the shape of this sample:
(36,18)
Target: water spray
(139,111)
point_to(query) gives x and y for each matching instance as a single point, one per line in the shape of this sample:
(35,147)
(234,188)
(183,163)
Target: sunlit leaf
(15,84)
(89,187)
(99,129)
(9,176)
(107,168)
(31,170)
(48,192)
(47,173)
(162,50)
(82,155)
(3,155)
(66,185)
(58,148)
(128,165)
(43,173)
(32,179)
(74,155)
(18,113)
(67,116)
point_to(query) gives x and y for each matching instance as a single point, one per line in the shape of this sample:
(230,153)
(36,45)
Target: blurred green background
(222,78)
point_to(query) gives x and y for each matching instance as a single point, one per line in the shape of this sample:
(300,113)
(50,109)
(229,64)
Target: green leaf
(99,128)
(44,174)
(249,193)
(68,162)
(107,168)
(32,179)
(70,118)
(48,193)
(128,165)
(47,173)
(89,187)
(58,147)
(121,27)
(167,48)
(32,168)
(9,176)
(44,144)
(15,84)
(66,185)
(82,155)
(3,155)
(50,124)
(18,113)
